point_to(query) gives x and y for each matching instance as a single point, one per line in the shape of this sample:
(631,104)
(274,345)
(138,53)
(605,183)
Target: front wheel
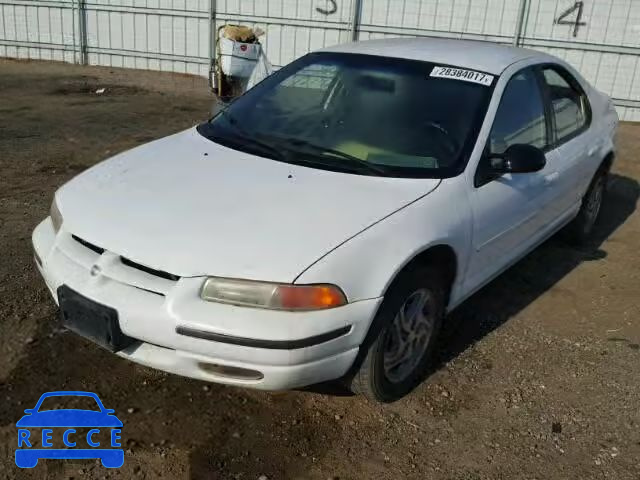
(405,332)
(581,227)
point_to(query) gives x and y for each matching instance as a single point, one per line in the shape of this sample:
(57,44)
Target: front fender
(365,266)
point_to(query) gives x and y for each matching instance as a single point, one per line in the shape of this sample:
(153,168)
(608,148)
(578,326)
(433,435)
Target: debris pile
(240,62)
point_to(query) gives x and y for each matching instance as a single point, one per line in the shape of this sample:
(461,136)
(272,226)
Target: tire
(581,227)
(380,375)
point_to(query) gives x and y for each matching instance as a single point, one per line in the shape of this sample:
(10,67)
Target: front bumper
(281,346)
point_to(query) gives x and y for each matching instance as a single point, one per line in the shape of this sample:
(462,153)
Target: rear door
(509,209)
(575,145)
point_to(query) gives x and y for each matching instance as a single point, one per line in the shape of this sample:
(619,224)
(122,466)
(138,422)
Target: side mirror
(29,411)
(109,411)
(519,158)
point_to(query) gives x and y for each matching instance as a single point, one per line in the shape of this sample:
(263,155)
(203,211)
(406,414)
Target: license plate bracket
(92,320)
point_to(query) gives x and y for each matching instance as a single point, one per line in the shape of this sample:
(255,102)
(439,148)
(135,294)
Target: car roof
(484,56)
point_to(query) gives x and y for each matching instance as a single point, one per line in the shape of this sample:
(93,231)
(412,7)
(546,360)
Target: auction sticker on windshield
(461,74)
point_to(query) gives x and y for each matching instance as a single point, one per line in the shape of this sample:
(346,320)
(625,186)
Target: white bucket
(238,59)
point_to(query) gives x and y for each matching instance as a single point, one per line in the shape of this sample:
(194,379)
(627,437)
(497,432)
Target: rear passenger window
(568,103)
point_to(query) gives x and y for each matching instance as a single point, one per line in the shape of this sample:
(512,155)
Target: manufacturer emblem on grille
(95,271)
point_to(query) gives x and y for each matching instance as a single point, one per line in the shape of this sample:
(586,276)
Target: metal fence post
(213,38)
(355,19)
(73,31)
(520,22)
(82,30)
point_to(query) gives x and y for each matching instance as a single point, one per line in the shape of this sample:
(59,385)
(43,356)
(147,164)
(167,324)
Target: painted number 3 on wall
(333,8)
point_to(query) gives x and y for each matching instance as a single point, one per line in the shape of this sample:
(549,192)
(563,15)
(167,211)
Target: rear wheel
(579,230)
(404,333)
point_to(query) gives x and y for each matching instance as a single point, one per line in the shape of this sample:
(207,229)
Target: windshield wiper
(354,163)
(292,145)
(244,135)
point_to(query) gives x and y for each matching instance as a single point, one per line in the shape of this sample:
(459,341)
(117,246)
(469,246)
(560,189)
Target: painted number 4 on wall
(564,18)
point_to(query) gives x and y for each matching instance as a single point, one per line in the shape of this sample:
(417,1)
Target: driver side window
(520,119)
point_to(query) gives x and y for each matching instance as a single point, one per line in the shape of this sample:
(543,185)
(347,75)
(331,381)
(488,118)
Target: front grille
(90,246)
(149,291)
(150,271)
(129,263)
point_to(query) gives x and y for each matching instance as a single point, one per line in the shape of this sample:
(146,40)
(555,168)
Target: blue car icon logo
(69,419)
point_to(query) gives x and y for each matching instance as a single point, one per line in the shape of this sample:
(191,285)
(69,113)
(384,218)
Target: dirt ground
(537,376)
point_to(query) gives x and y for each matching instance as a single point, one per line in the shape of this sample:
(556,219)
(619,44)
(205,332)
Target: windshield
(361,114)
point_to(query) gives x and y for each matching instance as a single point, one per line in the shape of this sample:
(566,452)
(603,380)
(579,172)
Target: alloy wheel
(407,337)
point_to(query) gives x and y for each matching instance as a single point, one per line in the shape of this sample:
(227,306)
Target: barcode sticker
(461,74)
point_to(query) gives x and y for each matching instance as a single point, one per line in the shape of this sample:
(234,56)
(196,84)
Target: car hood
(69,418)
(186,205)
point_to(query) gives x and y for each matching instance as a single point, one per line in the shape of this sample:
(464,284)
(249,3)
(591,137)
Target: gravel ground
(537,376)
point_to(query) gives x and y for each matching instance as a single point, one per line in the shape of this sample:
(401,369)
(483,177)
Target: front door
(509,209)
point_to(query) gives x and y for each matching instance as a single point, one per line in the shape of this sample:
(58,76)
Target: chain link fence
(600,37)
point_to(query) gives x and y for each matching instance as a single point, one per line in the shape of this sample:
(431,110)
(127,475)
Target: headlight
(275,296)
(56,216)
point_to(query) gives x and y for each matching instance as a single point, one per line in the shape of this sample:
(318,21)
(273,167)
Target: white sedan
(323,225)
